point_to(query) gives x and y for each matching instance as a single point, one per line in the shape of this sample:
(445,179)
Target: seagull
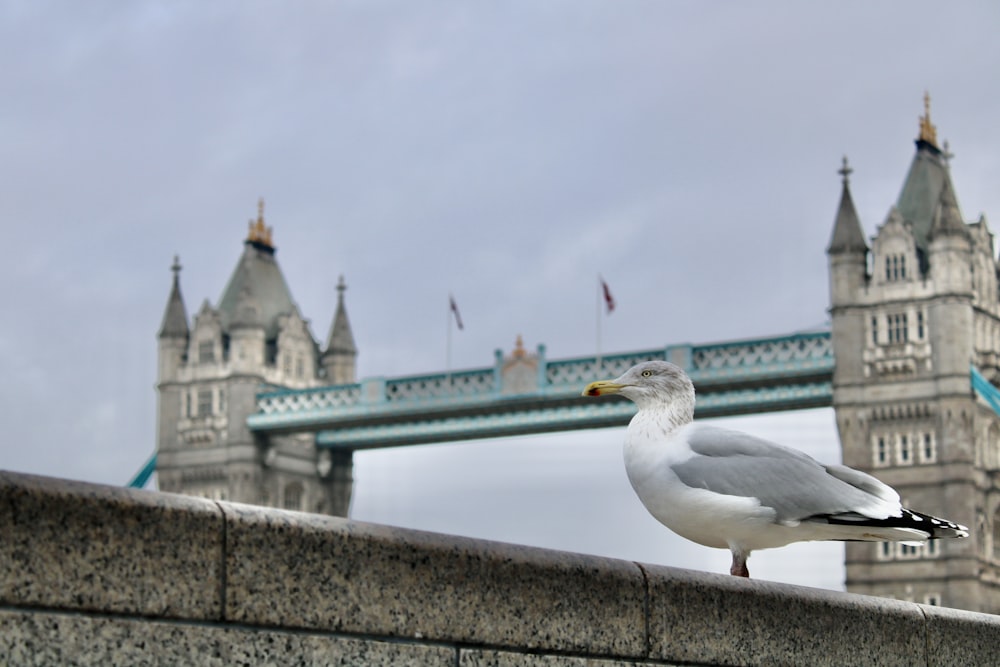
(726,489)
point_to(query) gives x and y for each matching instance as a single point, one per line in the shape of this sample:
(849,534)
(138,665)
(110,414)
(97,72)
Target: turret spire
(175,323)
(848,236)
(845,172)
(339,357)
(947,217)
(946,154)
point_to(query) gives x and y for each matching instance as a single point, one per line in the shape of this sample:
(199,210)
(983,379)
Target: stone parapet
(99,575)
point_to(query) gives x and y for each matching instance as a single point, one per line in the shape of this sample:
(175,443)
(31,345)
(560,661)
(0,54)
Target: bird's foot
(739,567)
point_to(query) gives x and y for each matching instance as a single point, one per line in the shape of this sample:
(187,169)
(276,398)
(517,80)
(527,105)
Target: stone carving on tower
(910,314)
(211,373)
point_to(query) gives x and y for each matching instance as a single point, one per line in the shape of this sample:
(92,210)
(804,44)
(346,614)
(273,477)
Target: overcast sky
(504,152)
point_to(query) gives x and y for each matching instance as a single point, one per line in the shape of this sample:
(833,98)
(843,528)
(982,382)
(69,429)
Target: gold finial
(519,350)
(928,132)
(259,232)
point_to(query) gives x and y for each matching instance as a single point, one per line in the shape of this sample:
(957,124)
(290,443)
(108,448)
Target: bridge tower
(209,376)
(910,314)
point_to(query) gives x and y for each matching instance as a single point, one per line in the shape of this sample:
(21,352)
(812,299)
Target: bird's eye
(646,374)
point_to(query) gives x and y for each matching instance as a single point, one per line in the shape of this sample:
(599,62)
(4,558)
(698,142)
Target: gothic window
(187,404)
(293,496)
(206,352)
(299,367)
(904,450)
(286,363)
(896,324)
(928,453)
(901,551)
(204,402)
(895,268)
(222,400)
(920,325)
(874,331)
(881,452)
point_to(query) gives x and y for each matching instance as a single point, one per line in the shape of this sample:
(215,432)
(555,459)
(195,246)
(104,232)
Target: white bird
(726,489)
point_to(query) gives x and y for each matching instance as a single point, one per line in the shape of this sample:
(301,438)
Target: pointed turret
(848,236)
(339,358)
(256,294)
(950,246)
(174,332)
(848,252)
(918,200)
(947,217)
(175,322)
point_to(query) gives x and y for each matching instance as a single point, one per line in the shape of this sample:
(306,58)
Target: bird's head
(649,384)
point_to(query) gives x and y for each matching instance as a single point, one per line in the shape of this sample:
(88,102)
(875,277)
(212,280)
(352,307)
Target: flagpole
(600,296)
(447,356)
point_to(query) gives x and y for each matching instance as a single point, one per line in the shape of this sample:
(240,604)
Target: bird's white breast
(700,515)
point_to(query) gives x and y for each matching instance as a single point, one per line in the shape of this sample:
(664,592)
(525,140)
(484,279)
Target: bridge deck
(525,394)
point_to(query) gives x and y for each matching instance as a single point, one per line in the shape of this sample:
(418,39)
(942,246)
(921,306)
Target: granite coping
(76,548)
(957,637)
(702,617)
(74,545)
(44,638)
(300,570)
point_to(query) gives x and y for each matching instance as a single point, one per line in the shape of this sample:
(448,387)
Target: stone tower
(209,376)
(910,315)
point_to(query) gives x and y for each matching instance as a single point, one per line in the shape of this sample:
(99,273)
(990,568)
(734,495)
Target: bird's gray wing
(795,485)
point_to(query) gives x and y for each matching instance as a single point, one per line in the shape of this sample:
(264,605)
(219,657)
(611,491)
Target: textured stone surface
(723,620)
(309,571)
(93,575)
(961,638)
(45,639)
(83,546)
(477,658)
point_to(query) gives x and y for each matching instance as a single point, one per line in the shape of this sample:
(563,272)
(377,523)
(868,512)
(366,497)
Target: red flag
(454,309)
(609,300)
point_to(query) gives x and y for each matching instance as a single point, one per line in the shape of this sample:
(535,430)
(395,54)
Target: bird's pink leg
(739,566)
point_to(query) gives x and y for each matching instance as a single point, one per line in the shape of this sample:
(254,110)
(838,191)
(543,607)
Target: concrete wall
(95,575)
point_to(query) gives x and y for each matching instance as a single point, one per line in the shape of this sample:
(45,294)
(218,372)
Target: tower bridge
(525,393)
(912,306)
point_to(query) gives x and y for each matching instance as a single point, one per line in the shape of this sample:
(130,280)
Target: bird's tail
(910,525)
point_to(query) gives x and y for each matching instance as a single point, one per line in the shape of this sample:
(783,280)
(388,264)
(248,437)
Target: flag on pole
(609,300)
(454,309)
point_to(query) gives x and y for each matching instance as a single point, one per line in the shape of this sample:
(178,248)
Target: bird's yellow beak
(602,388)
